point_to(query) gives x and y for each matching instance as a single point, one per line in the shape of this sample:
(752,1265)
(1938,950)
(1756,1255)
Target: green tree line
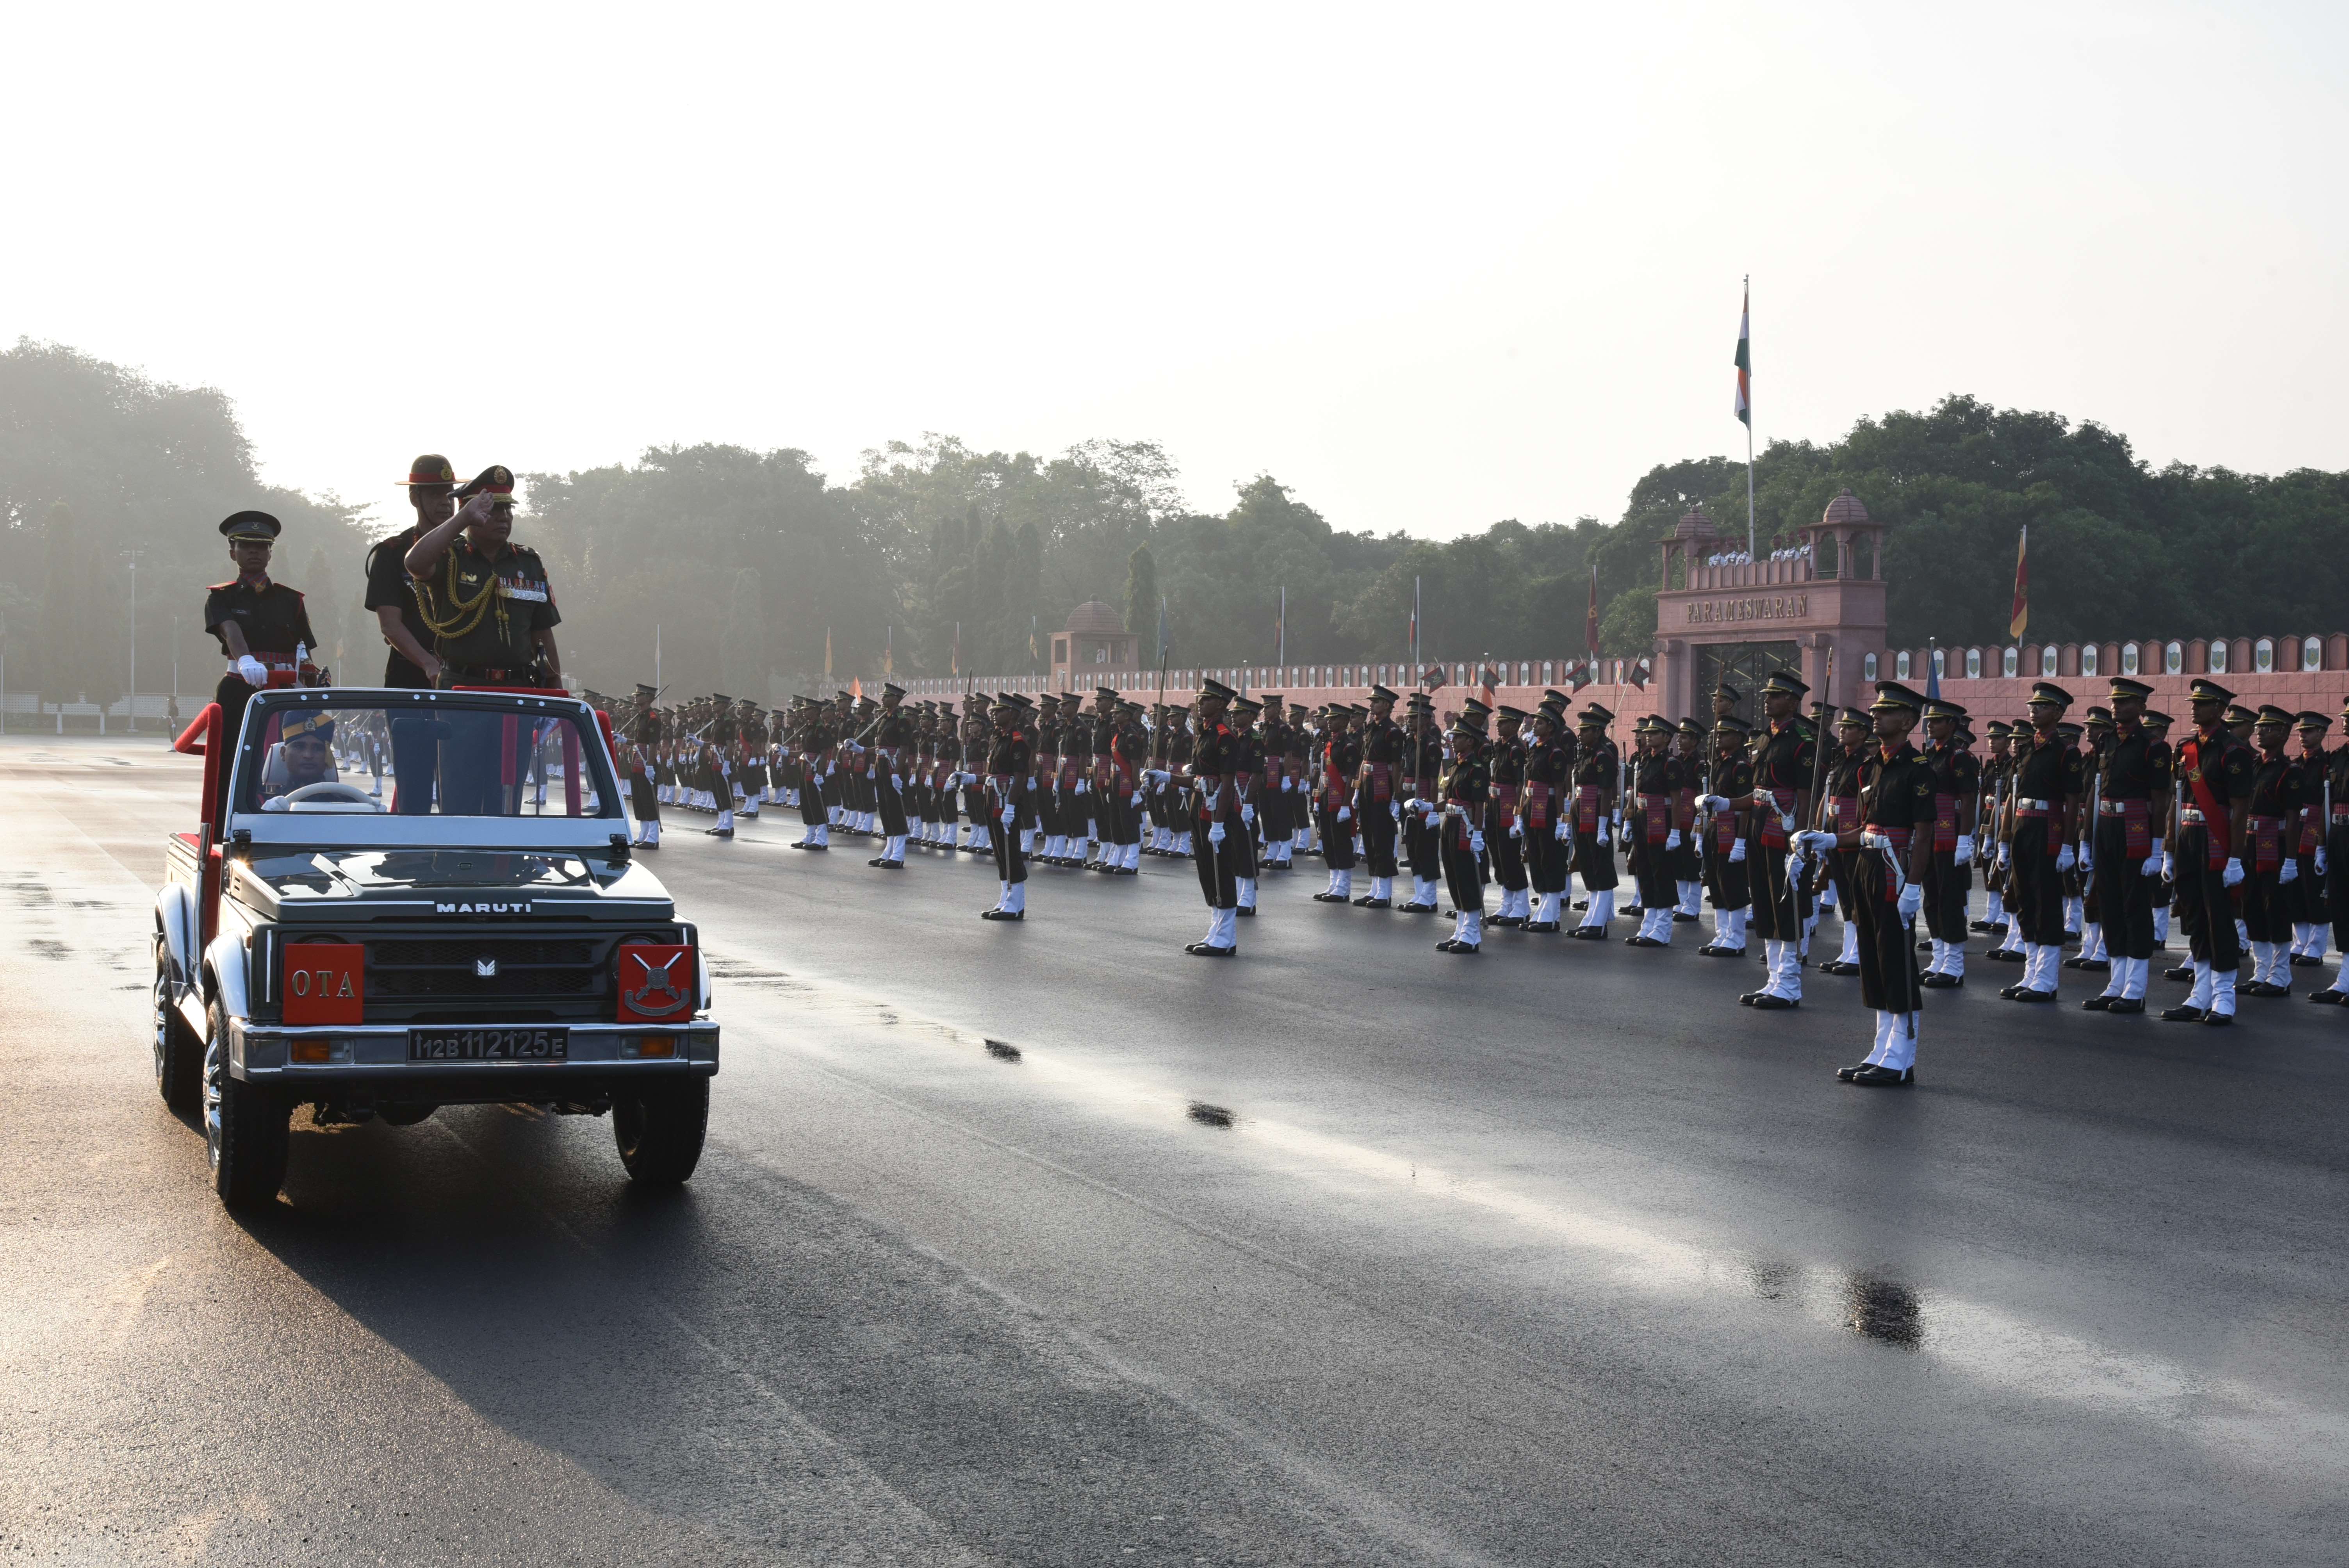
(748,565)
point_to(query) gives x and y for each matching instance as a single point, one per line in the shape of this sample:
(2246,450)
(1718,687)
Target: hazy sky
(1431,266)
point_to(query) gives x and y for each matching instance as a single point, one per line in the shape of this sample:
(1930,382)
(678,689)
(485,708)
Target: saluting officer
(486,600)
(261,626)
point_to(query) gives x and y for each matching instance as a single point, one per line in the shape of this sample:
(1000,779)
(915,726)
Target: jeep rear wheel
(179,1054)
(246,1129)
(659,1130)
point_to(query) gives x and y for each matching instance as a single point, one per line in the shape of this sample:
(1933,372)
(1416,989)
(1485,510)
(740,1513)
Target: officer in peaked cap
(1010,758)
(1504,830)
(2036,850)
(1214,813)
(1547,812)
(2132,795)
(2282,788)
(1894,841)
(2332,865)
(1598,781)
(1783,762)
(644,733)
(1457,820)
(1375,812)
(1729,775)
(1957,784)
(261,626)
(487,600)
(2214,771)
(2310,916)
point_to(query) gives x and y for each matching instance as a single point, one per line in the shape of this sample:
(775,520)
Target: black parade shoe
(1203,950)
(2183,971)
(1327,897)
(2217,1020)
(719,832)
(1508,921)
(1541,925)
(1244,911)
(1588,933)
(2125,1005)
(1643,942)
(2096,1004)
(1849,1073)
(1939,981)
(1417,908)
(1002,914)
(2003,956)
(2025,993)
(1768,1003)
(1679,919)
(2328,997)
(2184,1013)
(1463,949)
(1883,1078)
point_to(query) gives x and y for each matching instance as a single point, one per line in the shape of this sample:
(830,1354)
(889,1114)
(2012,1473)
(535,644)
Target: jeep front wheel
(659,1130)
(246,1129)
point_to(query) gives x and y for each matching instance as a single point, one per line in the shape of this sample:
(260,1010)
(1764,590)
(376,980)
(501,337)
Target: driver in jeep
(305,756)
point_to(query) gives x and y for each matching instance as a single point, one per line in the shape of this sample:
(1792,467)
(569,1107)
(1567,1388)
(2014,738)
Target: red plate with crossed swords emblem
(657,982)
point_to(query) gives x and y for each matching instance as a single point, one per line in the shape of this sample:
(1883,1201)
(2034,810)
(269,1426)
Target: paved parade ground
(1046,1243)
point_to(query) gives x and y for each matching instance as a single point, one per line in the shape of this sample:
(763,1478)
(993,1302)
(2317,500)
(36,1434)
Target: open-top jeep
(473,931)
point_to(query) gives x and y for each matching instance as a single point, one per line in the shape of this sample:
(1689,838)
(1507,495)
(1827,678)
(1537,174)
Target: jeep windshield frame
(595,821)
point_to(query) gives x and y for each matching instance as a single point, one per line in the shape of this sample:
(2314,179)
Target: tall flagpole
(1745,326)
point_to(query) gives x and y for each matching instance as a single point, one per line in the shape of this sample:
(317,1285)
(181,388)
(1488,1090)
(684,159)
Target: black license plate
(489,1045)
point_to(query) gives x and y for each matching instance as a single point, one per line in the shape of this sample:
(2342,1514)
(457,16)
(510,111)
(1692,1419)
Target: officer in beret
(261,626)
(412,666)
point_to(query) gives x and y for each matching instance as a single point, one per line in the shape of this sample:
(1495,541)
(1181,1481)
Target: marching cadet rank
(2211,805)
(1842,782)
(2308,939)
(1653,831)
(1731,777)
(1780,798)
(2098,733)
(1376,810)
(2133,787)
(1894,841)
(1010,767)
(1214,805)
(1123,770)
(1688,857)
(1458,829)
(2333,869)
(1547,815)
(2164,892)
(1342,778)
(1505,827)
(1598,775)
(2037,848)
(1422,849)
(2280,788)
(1273,816)
(1957,782)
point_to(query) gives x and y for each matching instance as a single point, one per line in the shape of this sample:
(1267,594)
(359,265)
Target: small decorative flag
(1590,616)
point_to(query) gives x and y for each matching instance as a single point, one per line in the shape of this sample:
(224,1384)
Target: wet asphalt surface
(1046,1243)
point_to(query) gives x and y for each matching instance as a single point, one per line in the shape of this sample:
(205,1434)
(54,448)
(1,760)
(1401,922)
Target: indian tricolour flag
(1745,409)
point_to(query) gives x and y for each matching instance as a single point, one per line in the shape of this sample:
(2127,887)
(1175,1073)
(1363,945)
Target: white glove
(2320,859)
(896,782)
(2088,862)
(1795,865)
(2290,871)
(1814,842)
(1672,840)
(2233,875)
(1394,810)
(2168,865)
(1287,784)
(1248,814)
(2063,859)
(1215,832)
(1736,851)
(1912,899)
(830,769)
(1136,802)
(1345,813)
(2003,850)
(1081,785)
(1009,816)
(1714,803)
(1965,855)
(1476,842)
(1516,830)
(1602,830)
(252,670)
(1562,832)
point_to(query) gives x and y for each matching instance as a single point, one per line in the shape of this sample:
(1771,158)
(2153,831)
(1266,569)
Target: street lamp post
(130,701)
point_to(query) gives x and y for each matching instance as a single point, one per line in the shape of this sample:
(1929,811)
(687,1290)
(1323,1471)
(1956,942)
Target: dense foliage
(750,566)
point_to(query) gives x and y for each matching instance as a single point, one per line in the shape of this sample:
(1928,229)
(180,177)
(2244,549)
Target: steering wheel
(330,789)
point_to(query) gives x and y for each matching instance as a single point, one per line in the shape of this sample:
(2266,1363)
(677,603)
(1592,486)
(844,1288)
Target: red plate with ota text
(658,980)
(326,982)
